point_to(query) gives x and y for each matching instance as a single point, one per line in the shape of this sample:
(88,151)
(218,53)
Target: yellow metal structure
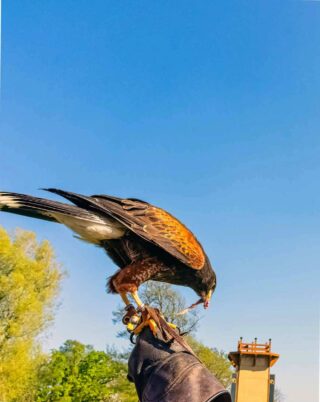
(252,380)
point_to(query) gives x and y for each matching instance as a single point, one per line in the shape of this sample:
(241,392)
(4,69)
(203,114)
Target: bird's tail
(41,208)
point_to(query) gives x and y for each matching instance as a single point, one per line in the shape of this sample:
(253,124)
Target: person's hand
(167,372)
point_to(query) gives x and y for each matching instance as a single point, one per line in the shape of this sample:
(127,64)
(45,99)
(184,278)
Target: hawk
(144,241)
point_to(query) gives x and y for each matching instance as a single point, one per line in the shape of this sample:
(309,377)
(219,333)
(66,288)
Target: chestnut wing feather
(159,227)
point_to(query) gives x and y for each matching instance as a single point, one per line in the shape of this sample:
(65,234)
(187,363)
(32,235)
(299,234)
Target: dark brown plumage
(144,241)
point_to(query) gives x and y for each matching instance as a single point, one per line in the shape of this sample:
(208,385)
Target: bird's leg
(137,299)
(124,297)
(128,280)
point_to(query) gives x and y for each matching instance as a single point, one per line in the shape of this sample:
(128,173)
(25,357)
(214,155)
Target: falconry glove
(167,372)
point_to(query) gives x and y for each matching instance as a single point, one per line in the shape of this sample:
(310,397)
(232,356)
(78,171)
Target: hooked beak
(206,300)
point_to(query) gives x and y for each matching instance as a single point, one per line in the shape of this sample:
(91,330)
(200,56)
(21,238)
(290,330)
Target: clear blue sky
(208,109)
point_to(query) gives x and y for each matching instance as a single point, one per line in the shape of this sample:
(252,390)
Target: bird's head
(205,297)
(208,287)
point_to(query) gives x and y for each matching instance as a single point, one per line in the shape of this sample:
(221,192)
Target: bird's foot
(160,328)
(136,319)
(135,323)
(131,317)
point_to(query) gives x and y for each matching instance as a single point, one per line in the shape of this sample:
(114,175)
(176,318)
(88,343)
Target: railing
(254,347)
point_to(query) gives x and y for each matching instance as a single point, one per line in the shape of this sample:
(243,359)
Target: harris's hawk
(144,241)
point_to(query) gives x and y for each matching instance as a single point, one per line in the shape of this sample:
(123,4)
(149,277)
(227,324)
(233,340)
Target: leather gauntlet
(166,372)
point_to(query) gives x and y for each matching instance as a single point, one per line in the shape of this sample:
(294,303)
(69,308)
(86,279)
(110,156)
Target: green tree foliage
(29,283)
(168,301)
(78,373)
(216,361)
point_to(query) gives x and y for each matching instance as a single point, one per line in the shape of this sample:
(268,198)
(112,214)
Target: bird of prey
(144,241)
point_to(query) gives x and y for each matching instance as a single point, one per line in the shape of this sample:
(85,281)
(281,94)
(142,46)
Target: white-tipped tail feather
(89,226)
(8,201)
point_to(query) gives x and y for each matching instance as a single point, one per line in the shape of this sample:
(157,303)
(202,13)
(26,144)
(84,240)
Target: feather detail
(89,226)
(147,221)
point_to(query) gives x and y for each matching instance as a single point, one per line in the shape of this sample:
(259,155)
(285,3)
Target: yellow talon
(130,327)
(172,325)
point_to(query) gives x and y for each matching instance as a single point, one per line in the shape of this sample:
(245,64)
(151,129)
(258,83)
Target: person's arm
(165,372)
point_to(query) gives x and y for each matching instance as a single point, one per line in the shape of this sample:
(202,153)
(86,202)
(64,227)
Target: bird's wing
(147,221)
